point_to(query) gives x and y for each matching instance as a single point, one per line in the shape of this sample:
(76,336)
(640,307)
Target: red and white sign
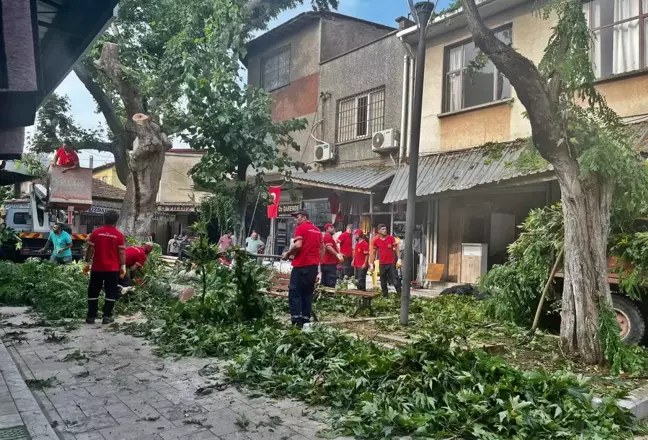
(275,195)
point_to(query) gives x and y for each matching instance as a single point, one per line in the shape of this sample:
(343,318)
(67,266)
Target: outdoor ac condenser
(474,260)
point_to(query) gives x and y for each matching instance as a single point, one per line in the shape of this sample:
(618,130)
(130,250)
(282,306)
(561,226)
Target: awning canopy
(12,173)
(461,170)
(364,179)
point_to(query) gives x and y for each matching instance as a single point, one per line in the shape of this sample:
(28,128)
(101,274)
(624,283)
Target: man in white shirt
(253,244)
(174,246)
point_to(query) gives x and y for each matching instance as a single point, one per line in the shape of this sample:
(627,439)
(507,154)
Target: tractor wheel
(630,319)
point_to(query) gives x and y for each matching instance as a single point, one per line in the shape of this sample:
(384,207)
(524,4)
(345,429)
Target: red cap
(328,225)
(147,248)
(358,232)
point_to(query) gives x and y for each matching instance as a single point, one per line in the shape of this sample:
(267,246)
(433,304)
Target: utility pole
(423,12)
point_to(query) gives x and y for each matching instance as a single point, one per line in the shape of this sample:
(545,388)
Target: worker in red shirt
(345,240)
(331,258)
(361,259)
(136,257)
(388,249)
(107,257)
(307,250)
(66,158)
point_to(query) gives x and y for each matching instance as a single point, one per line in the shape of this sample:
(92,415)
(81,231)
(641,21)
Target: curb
(30,412)
(636,402)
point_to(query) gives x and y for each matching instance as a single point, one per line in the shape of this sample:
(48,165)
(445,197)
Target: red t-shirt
(309,254)
(67,158)
(106,241)
(329,258)
(135,255)
(386,254)
(360,254)
(346,244)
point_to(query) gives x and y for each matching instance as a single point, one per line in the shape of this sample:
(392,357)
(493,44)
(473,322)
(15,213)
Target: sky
(84,107)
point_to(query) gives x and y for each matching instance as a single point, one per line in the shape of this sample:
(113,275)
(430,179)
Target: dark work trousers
(361,278)
(347,268)
(300,294)
(329,275)
(388,273)
(109,281)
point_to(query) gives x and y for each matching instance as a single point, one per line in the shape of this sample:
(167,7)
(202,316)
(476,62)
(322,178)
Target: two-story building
(470,185)
(343,75)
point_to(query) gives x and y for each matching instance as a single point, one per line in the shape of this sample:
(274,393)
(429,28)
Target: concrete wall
(304,54)
(340,35)
(379,64)
(504,120)
(176,186)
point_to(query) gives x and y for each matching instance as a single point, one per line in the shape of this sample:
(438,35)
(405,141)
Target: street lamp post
(423,12)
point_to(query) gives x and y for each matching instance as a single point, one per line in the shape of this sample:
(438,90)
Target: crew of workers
(313,251)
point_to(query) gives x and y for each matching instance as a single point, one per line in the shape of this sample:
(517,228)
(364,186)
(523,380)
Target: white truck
(32,218)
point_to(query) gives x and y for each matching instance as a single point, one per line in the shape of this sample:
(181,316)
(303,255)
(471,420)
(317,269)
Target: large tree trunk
(146,163)
(146,160)
(586,213)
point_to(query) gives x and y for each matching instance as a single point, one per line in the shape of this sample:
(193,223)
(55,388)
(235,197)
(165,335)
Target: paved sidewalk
(110,386)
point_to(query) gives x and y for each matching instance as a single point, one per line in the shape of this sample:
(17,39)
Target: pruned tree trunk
(147,158)
(586,215)
(241,201)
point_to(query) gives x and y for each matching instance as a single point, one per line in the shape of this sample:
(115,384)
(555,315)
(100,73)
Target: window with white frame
(360,116)
(275,70)
(620,34)
(471,79)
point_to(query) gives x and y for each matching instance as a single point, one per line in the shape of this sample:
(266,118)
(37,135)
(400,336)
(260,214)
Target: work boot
(90,320)
(107,320)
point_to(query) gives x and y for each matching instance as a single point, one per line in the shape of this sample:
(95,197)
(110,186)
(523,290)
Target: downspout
(435,252)
(404,112)
(410,103)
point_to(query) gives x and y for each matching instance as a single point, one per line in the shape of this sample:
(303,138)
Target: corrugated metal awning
(460,170)
(358,179)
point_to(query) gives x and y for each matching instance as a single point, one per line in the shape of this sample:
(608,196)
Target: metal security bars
(275,71)
(360,116)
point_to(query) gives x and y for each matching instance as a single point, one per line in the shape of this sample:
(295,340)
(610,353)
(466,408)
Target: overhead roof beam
(52,3)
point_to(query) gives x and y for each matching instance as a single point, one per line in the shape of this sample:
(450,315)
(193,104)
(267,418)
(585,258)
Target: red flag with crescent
(273,206)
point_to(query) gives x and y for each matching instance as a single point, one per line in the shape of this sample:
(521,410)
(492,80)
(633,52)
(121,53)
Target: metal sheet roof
(460,170)
(358,179)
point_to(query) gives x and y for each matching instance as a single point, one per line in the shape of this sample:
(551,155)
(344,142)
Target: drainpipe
(410,102)
(435,251)
(404,112)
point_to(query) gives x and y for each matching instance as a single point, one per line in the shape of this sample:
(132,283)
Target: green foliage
(251,281)
(203,255)
(221,207)
(55,291)
(515,286)
(622,358)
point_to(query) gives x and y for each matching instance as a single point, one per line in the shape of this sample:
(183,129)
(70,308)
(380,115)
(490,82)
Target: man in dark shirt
(106,258)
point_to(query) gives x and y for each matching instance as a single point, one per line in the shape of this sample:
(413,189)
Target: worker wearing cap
(136,257)
(331,258)
(361,259)
(306,251)
(345,241)
(388,250)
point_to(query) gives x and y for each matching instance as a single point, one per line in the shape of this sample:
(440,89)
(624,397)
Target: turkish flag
(275,194)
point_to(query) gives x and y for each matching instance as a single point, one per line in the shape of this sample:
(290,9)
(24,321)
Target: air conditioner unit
(385,141)
(324,153)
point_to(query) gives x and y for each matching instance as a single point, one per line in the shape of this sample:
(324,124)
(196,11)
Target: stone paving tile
(122,391)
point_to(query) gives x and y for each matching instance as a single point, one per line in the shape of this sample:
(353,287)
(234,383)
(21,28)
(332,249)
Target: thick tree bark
(241,200)
(147,159)
(586,202)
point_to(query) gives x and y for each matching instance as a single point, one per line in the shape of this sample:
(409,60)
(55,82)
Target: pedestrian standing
(62,244)
(174,246)
(361,259)
(306,249)
(331,258)
(107,258)
(345,240)
(387,248)
(225,241)
(253,244)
